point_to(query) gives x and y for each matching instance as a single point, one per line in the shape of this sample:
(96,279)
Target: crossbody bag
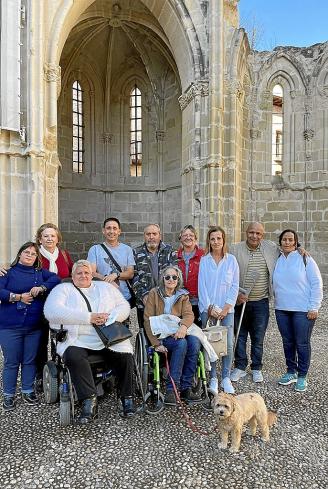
(109,334)
(132,299)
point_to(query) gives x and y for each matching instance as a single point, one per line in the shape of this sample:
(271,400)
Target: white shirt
(297,287)
(218,283)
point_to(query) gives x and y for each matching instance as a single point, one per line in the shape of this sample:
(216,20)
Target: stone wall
(299,197)
(130,56)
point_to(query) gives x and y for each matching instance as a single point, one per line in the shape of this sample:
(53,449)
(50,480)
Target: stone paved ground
(161,452)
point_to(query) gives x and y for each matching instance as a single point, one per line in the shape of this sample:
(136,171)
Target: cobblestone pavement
(162,452)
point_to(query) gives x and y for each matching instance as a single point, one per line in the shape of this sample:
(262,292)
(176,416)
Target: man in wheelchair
(66,306)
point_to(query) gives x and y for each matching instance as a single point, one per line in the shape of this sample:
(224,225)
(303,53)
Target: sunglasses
(173,277)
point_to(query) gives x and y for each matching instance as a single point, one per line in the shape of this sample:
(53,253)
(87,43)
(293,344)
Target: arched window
(78,127)
(135,133)
(277,129)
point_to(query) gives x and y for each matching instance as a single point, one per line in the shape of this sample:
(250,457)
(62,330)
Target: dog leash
(186,416)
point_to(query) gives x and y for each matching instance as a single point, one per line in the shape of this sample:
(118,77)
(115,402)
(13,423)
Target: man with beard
(150,258)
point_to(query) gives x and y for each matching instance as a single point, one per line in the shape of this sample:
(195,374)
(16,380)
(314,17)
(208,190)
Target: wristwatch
(118,274)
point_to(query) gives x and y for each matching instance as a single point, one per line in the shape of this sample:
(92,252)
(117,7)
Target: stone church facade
(157,111)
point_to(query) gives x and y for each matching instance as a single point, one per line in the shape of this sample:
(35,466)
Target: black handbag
(109,334)
(132,301)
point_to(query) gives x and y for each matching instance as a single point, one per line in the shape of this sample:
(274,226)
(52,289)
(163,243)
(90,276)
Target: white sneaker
(213,387)
(227,386)
(237,374)
(257,376)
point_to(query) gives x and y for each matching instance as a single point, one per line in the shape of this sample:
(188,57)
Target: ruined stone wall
(299,197)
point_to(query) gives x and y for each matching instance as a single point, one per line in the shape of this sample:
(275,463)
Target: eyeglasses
(27,253)
(173,277)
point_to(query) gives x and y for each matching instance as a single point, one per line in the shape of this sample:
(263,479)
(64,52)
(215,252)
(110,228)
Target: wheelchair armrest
(58,335)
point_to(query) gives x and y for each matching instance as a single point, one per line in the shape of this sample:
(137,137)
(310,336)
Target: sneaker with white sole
(227,386)
(213,387)
(287,379)
(257,376)
(301,384)
(237,374)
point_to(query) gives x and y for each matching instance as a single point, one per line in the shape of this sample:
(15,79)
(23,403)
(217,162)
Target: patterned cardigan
(143,280)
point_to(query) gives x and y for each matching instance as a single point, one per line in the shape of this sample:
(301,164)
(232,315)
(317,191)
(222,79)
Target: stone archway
(158,73)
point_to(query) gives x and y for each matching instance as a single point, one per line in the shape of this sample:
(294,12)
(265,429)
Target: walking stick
(255,276)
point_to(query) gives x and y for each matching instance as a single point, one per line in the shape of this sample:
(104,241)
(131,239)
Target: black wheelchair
(153,375)
(57,384)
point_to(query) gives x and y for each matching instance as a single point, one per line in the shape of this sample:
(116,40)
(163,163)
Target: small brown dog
(232,412)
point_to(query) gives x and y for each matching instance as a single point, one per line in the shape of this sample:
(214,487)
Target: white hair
(81,263)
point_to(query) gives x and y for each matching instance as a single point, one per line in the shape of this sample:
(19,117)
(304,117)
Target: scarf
(52,257)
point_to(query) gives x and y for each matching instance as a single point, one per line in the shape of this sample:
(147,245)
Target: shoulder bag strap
(98,331)
(111,256)
(117,266)
(84,297)
(63,252)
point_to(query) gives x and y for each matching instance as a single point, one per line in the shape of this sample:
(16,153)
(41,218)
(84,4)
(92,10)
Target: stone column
(212,214)
(193,106)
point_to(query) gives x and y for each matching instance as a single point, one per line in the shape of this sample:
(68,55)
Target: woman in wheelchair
(170,298)
(66,306)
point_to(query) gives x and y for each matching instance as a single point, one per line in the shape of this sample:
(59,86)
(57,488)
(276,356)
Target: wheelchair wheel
(66,399)
(141,358)
(65,413)
(154,402)
(50,382)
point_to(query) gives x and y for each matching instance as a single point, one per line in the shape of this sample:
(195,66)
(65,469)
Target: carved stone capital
(160,135)
(308,134)
(199,88)
(107,137)
(187,169)
(51,72)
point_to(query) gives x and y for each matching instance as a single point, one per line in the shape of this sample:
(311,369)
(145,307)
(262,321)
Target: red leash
(186,416)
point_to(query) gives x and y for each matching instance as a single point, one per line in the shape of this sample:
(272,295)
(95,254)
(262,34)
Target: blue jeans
(183,361)
(227,359)
(19,348)
(296,329)
(254,324)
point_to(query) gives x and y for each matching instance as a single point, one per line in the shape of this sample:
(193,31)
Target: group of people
(195,285)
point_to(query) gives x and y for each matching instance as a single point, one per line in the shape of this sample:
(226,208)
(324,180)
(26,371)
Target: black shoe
(39,386)
(169,398)
(89,410)
(8,403)
(30,398)
(129,408)
(188,395)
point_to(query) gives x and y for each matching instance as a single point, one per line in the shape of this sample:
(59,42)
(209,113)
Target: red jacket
(64,264)
(192,283)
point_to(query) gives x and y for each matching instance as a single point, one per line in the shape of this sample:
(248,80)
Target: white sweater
(66,306)
(218,284)
(297,287)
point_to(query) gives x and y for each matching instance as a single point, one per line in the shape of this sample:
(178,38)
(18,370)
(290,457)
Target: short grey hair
(81,263)
(153,224)
(164,272)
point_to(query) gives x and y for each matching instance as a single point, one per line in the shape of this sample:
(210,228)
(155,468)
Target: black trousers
(42,355)
(197,319)
(140,316)
(76,359)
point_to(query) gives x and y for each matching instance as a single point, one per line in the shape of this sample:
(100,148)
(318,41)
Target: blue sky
(285,22)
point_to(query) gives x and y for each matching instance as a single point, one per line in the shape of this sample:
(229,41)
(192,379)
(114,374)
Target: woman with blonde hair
(218,283)
(189,255)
